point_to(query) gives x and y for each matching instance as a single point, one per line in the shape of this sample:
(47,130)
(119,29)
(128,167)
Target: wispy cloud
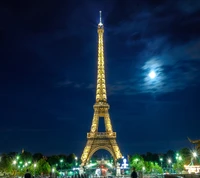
(68,83)
(167,43)
(64,83)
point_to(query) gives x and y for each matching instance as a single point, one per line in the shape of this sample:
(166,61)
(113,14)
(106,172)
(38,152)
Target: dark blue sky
(48,62)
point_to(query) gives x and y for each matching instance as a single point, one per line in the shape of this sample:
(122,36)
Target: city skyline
(48,74)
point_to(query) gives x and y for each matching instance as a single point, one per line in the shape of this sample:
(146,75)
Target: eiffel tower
(101,140)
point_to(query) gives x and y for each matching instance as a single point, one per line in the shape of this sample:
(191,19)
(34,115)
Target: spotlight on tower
(100,22)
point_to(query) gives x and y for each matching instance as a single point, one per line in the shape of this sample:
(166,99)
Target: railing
(101,135)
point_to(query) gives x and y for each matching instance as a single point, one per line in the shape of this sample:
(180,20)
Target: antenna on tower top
(100,22)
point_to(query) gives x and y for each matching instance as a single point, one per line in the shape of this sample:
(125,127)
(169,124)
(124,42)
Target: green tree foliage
(43,167)
(157,169)
(178,166)
(6,164)
(137,162)
(186,155)
(26,156)
(151,167)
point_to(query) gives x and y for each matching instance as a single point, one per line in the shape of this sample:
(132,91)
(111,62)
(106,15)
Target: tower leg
(86,152)
(107,121)
(95,123)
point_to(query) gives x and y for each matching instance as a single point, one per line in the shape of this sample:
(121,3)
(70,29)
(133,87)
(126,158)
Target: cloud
(64,83)
(163,37)
(167,19)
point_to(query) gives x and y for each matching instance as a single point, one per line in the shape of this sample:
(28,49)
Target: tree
(137,161)
(178,166)
(71,158)
(26,156)
(186,155)
(151,157)
(43,167)
(53,160)
(6,164)
(37,156)
(157,169)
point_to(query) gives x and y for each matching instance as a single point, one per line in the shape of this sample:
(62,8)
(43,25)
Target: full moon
(152,74)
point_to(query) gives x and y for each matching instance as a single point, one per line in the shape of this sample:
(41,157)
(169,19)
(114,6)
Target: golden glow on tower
(101,95)
(101,140)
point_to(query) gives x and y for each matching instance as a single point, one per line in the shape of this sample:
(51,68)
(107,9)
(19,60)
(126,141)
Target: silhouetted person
(134,173)
(27,175)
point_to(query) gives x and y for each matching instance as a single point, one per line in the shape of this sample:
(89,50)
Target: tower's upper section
(101,95)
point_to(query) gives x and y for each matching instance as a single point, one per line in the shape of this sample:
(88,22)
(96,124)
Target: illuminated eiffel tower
(101,140)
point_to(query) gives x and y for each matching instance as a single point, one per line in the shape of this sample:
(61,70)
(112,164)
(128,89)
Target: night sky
(48,62)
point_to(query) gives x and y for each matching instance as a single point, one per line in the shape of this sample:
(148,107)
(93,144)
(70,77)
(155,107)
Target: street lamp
(161,160)
(61,162)
(14,162)
(34,168)
(76,158)
(53,172)
(194,154)
(169,161)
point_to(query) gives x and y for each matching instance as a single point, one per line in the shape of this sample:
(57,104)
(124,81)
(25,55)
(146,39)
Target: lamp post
(76,158)
(61,164)
(161,160)
(194,155)
(53,172)
(34,168)
(14,163)
(169,161)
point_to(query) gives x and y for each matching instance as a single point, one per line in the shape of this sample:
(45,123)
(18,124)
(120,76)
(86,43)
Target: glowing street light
(61,162)
(194,154)
(53,170)
(35,165)
(161,160)
(14,162)
(76,158)
(169,161)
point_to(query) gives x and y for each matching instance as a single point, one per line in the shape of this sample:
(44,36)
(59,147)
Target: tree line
(17,163)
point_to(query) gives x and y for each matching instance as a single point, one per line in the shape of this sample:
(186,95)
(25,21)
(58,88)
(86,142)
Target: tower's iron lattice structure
(101,140)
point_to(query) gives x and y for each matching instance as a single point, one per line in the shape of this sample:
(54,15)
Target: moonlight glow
(152,74)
